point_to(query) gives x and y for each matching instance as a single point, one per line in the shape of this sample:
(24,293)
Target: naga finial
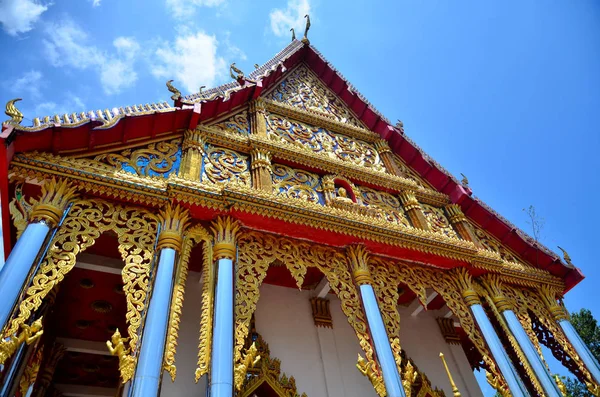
(11,111)
(233,68)
(256,66)
(305,38)
(293,34)
(176,94)
(566,256)
(201,88)
(464,181)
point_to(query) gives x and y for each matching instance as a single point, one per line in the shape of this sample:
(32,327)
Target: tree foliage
(587,327)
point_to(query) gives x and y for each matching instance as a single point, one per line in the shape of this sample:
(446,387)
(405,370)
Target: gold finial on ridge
(176,94)
(293,34)
(305,38)
(233,68)
(566,256)
(455,390)
(11,111)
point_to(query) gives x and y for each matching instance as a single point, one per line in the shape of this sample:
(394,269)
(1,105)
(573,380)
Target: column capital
(358,256)
(548,295)
(56,195)
(409,200)
(382,146)
(493,285)
(467,289)
(225,229)
(174,220)
(455,213)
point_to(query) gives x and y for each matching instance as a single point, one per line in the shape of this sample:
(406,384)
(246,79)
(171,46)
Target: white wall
(187,349)
(322,360)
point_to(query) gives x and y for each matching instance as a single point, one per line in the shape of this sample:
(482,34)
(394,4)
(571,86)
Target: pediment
(303,89)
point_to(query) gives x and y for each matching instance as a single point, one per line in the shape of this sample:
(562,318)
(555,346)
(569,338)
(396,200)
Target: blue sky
(507,93)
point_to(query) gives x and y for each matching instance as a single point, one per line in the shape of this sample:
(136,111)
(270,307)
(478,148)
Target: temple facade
(274,236)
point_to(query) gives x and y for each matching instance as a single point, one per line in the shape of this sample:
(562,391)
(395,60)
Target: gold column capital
(409,200)
(548,295)
(193,139)
(358,256)
(56,195)
(174,220)
(382,146)
(225,229)
(465,283)
(455,213)
(261,158)
(493,285)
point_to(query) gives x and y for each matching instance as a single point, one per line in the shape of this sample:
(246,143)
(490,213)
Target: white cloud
(291,17)
(67,45)
(71,104)
(186,8)
(18,16)
(191,60)
(30,83)
(96,3)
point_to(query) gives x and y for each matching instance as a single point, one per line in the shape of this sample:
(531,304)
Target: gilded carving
(238,124)
(437,220)
(157,159)
(31,372)
(116,347)
(303,89)
(206,314)
(28,334)
(226,166)
(323,142)
(295,183)
(390,206)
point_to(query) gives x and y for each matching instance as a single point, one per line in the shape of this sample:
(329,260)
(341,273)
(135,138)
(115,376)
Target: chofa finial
(233,68)
(305,38)
(464,181)
(293,34)
(566,256)
(176,94)
(11,111)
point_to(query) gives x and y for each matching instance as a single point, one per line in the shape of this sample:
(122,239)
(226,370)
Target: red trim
(75,140)
(6,153)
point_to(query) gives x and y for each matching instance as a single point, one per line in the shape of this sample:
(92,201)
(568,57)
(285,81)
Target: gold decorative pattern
(323,142)
(116,347)
(437,220)
(192,237)
(206,315)
(192,150)
(295,183)
(173,221)
(157,159)
(31,372)
(390,206)
(249,360)
(489,242)
(226,166)
(237,124)
(406,172)
(448,330)
(20,209)
(321,313)
(261,169)
(56,195)
(303,89)
(28,334)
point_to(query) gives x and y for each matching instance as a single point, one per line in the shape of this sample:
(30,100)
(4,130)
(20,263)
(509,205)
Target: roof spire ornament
(176,94)
(566,256)
(11,111)
(464,181)
(305,38)
(240,74)
(400,125)
(293,34)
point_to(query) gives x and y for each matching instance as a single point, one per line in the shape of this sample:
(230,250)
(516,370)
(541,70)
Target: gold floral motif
(303,89)
(295,183)
(249,360)
(437,220)
(157,159)
(192,237)
(226,166)
(206,315)
(408,173)
(257,250)
(31,372)
(323,142)
(494,245)
(390,206)
(237,124)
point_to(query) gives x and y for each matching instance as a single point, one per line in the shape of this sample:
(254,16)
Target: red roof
(105,133)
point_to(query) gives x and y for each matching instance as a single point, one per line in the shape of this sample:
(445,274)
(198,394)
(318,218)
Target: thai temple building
(273,236)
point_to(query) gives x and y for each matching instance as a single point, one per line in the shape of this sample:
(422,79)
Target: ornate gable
(302,88)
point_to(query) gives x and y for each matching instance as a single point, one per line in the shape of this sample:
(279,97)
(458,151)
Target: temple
(273,236)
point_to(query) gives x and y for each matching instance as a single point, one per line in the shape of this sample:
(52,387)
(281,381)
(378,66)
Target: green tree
(587,327)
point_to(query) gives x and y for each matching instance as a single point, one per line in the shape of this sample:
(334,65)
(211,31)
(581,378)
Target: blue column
(148,372)
(391,377)
(221,365)
(489,334)
(548,384)
(581,349)
(13,276)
